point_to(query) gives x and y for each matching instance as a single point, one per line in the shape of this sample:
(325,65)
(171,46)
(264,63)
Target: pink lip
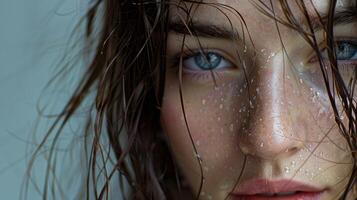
(262,189)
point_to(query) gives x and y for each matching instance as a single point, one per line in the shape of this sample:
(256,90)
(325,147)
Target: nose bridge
(270,132)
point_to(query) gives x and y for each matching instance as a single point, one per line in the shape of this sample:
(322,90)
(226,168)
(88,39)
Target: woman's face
(255,103)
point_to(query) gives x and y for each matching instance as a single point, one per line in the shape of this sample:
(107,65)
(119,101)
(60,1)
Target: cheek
(213,120)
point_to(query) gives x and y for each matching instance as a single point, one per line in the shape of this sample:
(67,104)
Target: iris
(346,51)
(208,61)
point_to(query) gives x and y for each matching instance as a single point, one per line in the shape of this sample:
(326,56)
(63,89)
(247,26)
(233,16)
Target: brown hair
(127,75)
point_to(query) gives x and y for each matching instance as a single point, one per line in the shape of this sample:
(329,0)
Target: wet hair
(127,76)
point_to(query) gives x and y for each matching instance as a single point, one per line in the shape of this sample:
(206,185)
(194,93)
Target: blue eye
(346,51)
(206,61)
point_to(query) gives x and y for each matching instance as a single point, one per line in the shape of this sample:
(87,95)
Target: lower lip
(298,196)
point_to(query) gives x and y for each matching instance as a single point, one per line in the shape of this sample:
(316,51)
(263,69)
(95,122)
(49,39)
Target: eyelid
(190,53)
(190,65)
(352,40)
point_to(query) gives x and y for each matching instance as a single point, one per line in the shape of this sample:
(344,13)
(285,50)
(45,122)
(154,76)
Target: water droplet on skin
(245,49)
(231,127)
(262,144)
(251,104)
(219,119)
(203,101)
(221,106)
(198,157)
(287,170)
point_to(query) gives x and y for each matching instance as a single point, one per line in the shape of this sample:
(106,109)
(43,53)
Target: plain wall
(33,38)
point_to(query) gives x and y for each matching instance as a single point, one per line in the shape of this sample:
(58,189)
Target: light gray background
(33,37)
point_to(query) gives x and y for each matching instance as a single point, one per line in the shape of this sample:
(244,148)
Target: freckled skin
(281,122)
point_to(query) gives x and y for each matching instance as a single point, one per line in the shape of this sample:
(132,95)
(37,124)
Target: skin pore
(259,111)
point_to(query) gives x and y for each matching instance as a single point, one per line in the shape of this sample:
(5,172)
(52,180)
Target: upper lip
(264,186)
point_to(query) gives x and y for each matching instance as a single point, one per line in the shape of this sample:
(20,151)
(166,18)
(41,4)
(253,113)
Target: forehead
(210,10)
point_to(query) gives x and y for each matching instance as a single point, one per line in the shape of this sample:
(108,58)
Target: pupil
(207,61)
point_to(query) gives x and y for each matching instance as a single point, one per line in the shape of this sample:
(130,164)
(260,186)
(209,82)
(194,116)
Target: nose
(270,129)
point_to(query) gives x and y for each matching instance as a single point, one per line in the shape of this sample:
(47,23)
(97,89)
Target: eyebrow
(196,28)
(202,30)
(345,16)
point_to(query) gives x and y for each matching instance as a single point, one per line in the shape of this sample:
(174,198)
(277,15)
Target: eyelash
(197,72)
(206,74)
(344,64)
